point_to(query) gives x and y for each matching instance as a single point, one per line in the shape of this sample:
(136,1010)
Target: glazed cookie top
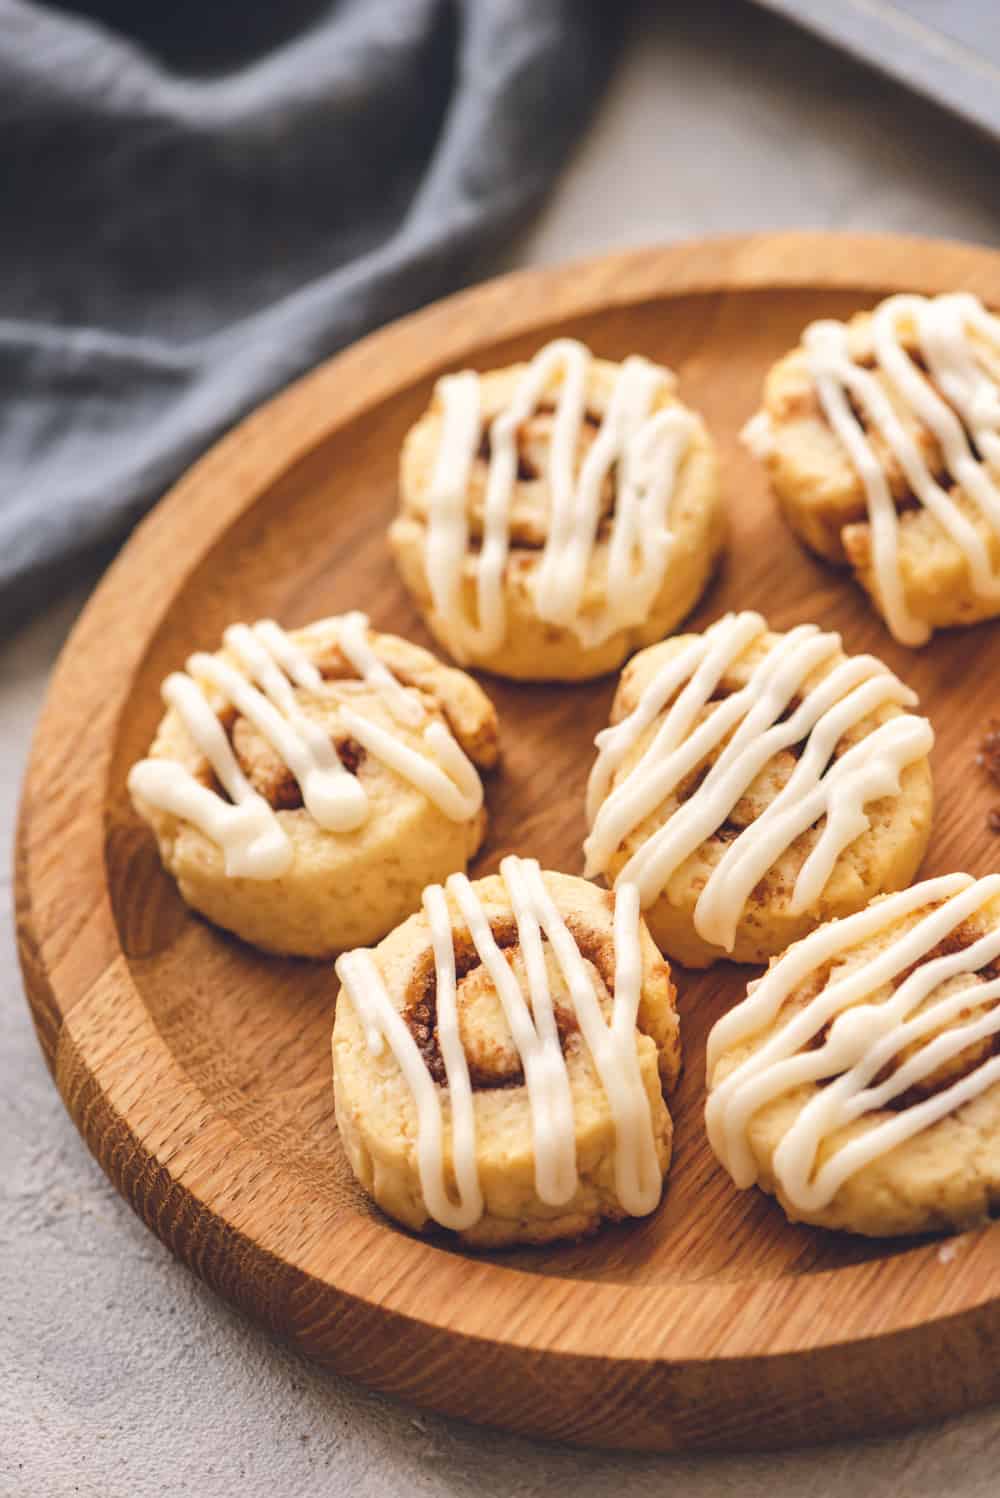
(526,967)
(912,392)
(258,748)
(880,1025)
(552,456)
(754,738)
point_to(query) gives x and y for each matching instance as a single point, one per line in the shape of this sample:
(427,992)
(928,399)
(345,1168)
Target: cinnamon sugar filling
(497,1071)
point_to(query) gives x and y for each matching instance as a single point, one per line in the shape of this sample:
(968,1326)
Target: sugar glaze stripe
(967,408)
(863,1037)
(747,729)
(247,829)
(531,1022)
(640,448)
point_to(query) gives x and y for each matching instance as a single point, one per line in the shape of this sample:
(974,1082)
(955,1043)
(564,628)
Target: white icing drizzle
(942,325)
(254,843)
(864,1037)
(532,1024)
(332,796)
(456,790)
(758,436)
(647,446)
(404,705)
(533,1030)
(362,983)
(748,724)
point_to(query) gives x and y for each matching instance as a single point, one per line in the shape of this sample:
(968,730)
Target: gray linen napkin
(202,199)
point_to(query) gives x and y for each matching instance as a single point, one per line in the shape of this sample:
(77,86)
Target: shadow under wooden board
(199,1071)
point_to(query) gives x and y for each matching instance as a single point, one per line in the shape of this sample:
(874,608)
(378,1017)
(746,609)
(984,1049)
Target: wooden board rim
(65,983)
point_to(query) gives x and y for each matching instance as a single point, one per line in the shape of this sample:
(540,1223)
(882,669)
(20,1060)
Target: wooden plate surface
(199,1072)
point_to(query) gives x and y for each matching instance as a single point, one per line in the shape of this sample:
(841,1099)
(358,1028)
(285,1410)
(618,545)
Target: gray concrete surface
(121,1376)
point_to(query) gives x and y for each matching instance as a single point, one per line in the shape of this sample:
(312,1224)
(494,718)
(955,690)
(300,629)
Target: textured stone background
(121,1376)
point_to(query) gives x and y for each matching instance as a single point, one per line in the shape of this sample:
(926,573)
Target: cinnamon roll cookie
(305,786)
(754,784)
(557,515)
(499,1060)
(859,1082)
(882,440)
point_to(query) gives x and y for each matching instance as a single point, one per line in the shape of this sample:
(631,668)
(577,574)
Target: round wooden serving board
(199,1071)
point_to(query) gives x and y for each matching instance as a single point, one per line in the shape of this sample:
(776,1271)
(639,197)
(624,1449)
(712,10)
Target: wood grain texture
(199,1071)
